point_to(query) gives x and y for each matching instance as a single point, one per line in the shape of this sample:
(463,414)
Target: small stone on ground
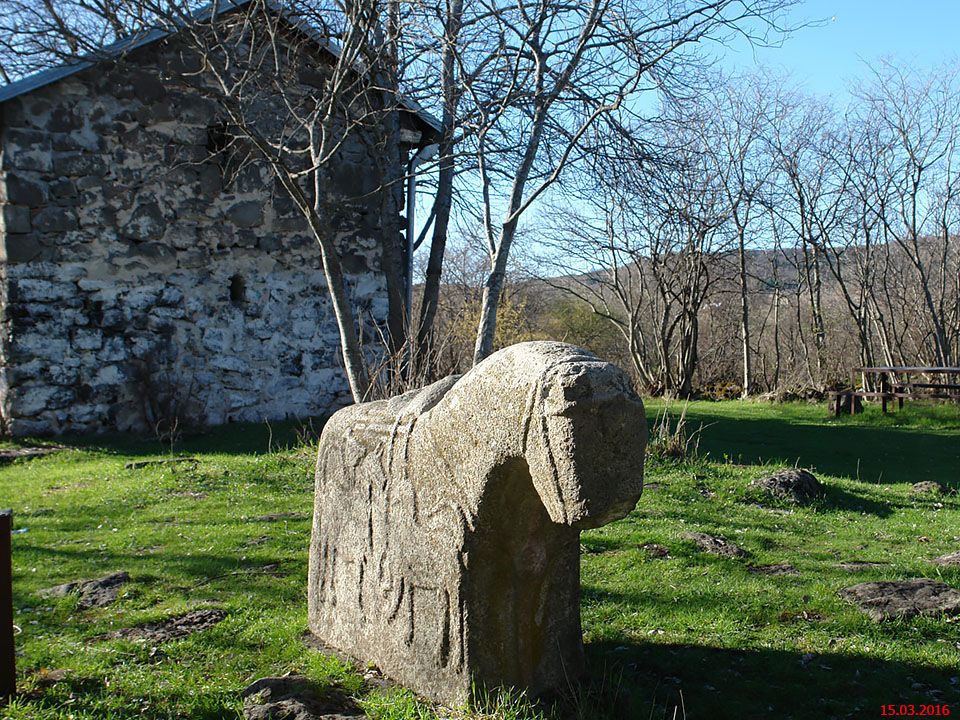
(715,544)
(295,697)
(778,569)
(171,629)
(793,485)
(93,593)
(951,560)
(927,487)
(903,598)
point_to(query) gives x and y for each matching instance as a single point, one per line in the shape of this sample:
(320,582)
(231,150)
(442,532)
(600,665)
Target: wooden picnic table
(900,382)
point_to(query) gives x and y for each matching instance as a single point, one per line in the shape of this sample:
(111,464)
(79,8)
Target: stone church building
(138,281)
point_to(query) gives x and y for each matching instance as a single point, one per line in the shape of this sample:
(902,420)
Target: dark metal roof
(126,45)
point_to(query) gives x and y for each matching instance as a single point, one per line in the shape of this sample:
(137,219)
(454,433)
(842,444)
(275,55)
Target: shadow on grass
(838,499)
(231,439)
(870,454)
(641,680)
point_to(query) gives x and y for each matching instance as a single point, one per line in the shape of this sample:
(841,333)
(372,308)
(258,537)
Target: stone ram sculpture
(446,526)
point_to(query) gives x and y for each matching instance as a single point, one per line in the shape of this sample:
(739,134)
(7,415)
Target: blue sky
(822,60)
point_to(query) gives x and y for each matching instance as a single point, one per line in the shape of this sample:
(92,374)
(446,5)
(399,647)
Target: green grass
(692,632)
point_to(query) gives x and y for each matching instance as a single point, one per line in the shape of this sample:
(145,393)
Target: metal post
(8,662)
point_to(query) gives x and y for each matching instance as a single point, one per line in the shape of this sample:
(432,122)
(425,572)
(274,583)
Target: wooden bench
(891,388)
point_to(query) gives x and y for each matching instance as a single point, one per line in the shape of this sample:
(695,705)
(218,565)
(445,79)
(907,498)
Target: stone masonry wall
(140,281)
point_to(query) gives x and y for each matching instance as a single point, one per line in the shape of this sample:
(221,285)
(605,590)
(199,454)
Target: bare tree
(551,72)
(919,122)
(734,137)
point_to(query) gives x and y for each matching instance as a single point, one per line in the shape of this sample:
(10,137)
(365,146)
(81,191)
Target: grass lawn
(691,634)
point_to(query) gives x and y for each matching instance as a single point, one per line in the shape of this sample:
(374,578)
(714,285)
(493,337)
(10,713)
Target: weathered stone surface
(927,487)
(122,236)
(445,544)
(93,593)
(715,544)
(295,697)
(793,485)
(903,598)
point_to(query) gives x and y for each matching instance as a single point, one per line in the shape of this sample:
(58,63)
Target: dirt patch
(778,569)
(715,544)
(656,551)
(171,629)
(295,697)
(951,560)
(903,598)
(93,593)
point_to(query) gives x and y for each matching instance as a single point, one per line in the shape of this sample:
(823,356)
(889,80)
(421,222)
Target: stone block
(246,214)
(55,220)
(26,249)
(109,375)
(40,291)
(147,86)
(171,296)
(16,220)
(78,164)
(445,547)
(146,222)
(20,139)
(30,400)
(113,350)
(21,191)
(270,243)
(88,340)
(230,363)
(61,189)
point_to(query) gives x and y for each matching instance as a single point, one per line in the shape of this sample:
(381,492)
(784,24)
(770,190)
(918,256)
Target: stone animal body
(445,544)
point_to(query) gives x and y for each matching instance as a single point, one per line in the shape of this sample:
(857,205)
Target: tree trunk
(444,200)
(744,319)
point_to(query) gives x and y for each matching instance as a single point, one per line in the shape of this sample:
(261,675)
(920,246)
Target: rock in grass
(176,627)
(794,485)
(927,487)
(903,598)
(295,697)
(951,560)
(93,593)
(715,544)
